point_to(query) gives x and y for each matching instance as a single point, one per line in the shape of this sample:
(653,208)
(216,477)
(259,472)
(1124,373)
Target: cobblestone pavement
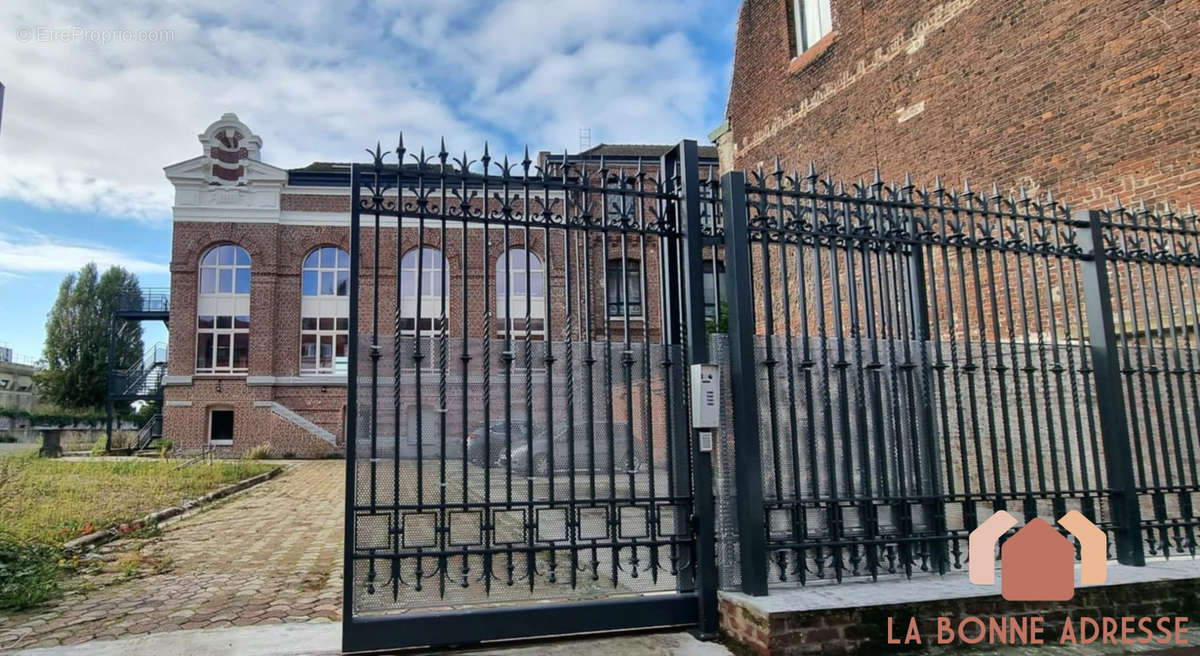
(269,555)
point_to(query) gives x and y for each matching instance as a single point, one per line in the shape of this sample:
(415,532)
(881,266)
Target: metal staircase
(142,381)
(151,431)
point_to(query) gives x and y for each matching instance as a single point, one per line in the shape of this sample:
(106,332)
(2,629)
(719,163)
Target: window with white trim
(223,311)
(811,20)
(324,311)
(424,280)
(623,288)
(520,290)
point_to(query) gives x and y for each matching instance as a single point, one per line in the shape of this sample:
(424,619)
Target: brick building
(260,307)
(1094,100)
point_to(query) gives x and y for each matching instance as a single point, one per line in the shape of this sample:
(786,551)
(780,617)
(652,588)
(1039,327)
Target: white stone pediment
(196,170)
(217,186)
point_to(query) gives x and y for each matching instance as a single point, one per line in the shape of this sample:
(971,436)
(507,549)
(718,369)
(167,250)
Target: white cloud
(31,252)
(89,125)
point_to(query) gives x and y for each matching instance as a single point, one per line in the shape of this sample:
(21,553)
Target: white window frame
(228,310)
(324,316)
(811,21)
(536,270)
(430,303)
(233,426)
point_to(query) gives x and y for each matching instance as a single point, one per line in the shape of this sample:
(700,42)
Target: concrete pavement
(325,640)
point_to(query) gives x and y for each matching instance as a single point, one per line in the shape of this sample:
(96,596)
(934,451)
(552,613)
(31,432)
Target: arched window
(223,311)
(520,288)
(623,288)
(424,280)
(324,311)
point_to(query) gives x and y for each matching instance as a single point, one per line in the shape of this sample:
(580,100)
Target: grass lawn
(53,501)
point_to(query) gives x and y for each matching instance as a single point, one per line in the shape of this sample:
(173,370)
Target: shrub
(28,572)
(260,452)
(163,446)
(7,439)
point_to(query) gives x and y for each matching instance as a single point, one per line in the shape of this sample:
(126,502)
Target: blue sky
(99,98)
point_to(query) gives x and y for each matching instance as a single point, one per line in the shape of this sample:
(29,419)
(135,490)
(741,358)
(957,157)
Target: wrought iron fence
(902,362)
(907,361)
(1153,261)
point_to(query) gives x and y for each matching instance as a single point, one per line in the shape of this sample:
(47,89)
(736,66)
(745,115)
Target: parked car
(562,451)
(475,439)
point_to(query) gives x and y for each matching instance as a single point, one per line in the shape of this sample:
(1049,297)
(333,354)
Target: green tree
(77,330)
(719,325)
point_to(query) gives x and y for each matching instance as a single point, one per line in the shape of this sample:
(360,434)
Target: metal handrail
(152,363)
(148,432)
(149,299)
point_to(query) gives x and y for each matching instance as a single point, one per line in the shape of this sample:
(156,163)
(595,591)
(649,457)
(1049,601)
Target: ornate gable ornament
(229,147)
(227,181)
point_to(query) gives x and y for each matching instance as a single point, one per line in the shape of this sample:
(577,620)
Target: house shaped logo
(1038,562)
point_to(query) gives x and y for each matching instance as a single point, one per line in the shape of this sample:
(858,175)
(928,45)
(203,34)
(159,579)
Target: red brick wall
(277,252)
(863,629)
(1092,99)
(187,426)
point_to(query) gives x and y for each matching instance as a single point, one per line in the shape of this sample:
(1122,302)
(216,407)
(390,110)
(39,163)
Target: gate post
(348,521)
(935,503)
(1118,455)
(108,380)
(747,451)
(690,301)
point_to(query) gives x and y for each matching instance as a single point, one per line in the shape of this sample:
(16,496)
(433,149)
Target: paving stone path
(270,555)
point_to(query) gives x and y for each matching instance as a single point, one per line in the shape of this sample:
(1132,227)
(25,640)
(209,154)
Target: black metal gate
(519,456)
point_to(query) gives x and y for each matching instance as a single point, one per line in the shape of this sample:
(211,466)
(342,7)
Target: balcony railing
(149,299)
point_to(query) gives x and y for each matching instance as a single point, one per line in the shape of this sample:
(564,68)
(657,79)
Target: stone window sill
(804,59)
